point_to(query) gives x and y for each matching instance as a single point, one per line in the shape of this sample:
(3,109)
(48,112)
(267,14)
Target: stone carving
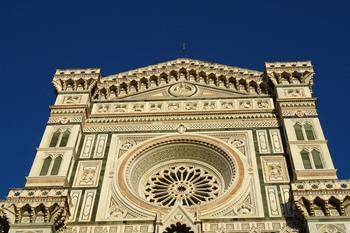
(71,99)
(87,147)
(173,106)
(100,145)
(294,93)
(138,108)
(184,184)
(103,108)
(156,107)
(120,108)
(263,141)
(276,141)
(126,145)
(209,106)
(115,211)
(75,199)
(263,104)
(191,106)
(246,104)
(330,228)
(88,201)
(87,173)
(274,169)
(273,201)
(181,129)
(182,89)
(238,141)
(227,105)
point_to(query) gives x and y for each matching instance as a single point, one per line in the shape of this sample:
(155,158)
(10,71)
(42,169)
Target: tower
(182,146)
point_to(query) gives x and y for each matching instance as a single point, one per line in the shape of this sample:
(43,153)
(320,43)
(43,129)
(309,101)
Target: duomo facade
(183,146)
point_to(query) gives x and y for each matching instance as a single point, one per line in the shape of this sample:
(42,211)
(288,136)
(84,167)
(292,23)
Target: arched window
(55,137)
(60,138)
(56,165)
(299,131)
(316,157)
(309,131)
(306,159)
(46,166)
(64,138)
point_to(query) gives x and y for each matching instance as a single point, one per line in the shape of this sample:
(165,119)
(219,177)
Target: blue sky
(37,37)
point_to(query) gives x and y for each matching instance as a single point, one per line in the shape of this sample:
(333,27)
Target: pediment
(184,90)
(153,81)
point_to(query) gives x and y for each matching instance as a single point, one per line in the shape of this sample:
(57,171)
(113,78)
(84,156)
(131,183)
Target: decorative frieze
(257,104)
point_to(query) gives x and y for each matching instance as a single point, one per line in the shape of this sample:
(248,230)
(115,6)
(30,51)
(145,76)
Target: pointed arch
(65,137)
(309,131)
(316,157)
(55,137)
(56,165)
(298,129)
(46,166)
(306,159)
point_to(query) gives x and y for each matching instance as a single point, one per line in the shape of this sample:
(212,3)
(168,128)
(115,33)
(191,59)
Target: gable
(163,80)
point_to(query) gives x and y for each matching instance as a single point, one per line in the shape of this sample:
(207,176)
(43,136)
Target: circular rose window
(179,170)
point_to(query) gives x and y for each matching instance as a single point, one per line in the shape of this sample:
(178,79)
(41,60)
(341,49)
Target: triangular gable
(222,80)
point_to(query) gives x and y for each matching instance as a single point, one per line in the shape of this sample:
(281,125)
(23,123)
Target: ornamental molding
(184,106)
(37,206)
(187,117)
(322,198)
(242,124)
(287,73)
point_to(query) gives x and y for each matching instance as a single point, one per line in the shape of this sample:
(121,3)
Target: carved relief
(87,147)
(88,173)
(273,201)
(71,99)
(182,90)
(276,141)
(73,207)
(263,141)
(100,145)
(274,169)
(294,93)
(88,203)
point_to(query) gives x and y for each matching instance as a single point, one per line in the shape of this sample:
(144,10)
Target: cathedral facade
(182,146)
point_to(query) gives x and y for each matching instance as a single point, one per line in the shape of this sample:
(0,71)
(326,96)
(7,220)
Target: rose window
(185,184)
